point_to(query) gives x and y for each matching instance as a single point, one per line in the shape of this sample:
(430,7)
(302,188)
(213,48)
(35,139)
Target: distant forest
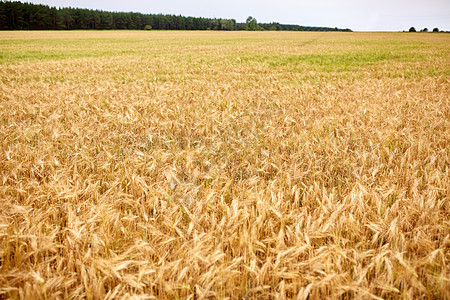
(15,15)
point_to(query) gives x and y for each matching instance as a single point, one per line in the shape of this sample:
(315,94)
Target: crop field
(224,165)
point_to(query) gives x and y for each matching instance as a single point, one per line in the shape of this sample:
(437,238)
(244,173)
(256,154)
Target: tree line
(15,15)
(252,24)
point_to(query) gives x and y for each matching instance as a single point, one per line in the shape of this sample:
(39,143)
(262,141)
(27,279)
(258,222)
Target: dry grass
(224,165)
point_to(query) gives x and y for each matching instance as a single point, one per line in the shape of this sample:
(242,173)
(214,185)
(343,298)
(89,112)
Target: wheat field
(224,165)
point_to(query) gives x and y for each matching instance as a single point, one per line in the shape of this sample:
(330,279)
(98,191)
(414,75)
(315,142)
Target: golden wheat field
(224,165)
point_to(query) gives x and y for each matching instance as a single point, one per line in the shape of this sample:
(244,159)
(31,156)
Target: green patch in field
(327,62)
(13,51)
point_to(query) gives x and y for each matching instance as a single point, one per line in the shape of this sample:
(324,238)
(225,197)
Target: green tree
(148,27)
(215,24)
(435,29)
(412,29)
(274,26)
(106,20)
(251,24)
(3,19)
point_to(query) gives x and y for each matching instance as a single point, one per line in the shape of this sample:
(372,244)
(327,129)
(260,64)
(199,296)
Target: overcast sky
(359,15)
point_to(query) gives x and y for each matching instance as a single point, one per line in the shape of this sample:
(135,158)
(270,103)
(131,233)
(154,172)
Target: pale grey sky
(359,15)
